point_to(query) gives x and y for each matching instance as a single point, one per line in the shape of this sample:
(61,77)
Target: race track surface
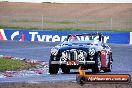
(122,55)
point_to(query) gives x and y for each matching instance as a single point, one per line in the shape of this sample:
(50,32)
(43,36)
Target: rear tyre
(66,70)
(97,68)
(53,68)
(109,68)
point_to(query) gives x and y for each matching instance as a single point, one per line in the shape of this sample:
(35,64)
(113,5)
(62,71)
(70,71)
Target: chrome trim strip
(80,62)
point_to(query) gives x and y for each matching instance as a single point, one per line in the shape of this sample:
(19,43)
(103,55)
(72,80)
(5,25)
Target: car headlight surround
(91,51)
(82,55)
(64,56)
(54,51)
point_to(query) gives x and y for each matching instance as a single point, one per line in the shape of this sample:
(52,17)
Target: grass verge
(10,64)
(61,22)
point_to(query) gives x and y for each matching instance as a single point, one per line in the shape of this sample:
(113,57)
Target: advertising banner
(59,36)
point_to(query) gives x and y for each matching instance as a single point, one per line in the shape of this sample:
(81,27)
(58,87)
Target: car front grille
(73,54)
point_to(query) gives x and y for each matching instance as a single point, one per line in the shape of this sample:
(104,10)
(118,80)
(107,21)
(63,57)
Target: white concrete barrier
(130,37)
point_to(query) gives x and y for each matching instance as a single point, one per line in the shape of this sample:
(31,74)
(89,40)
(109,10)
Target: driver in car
(73,38)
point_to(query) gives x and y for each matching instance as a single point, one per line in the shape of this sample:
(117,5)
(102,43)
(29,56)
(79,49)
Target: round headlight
(64,56)
(91,52)
(54,51)
(82,55)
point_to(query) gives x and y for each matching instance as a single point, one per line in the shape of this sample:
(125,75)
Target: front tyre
(97,68)
(53,68)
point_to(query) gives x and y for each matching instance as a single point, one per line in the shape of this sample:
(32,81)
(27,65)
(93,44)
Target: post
(42,19)
(97,26)
(111,25)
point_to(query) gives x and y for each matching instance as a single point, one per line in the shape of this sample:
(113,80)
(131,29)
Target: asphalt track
(122,55)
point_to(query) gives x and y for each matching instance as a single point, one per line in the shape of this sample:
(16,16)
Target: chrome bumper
(80,62)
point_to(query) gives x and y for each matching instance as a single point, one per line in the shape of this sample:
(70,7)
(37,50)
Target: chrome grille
(73,54)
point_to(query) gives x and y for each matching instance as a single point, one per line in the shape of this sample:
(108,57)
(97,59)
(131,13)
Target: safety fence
(50,22)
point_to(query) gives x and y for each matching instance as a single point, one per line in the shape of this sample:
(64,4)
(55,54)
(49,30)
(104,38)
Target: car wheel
(108,69)
(53,68)
(97,68)
(66,70)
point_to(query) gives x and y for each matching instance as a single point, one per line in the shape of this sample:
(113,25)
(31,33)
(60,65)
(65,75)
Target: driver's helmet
(72,37)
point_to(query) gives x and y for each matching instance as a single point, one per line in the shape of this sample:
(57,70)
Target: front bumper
(80,62)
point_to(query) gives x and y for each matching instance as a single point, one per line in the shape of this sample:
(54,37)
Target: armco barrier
(55,36)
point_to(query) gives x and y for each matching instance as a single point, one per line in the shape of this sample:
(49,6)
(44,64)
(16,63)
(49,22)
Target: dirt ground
(67,10)
(53,15)
(63,85)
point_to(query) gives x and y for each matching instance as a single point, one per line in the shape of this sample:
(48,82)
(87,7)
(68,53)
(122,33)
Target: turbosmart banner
(59,36)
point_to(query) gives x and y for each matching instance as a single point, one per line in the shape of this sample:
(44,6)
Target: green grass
(93,22)
(65,29)
(60,22)
(9,64)
(25,20)
(51,22)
